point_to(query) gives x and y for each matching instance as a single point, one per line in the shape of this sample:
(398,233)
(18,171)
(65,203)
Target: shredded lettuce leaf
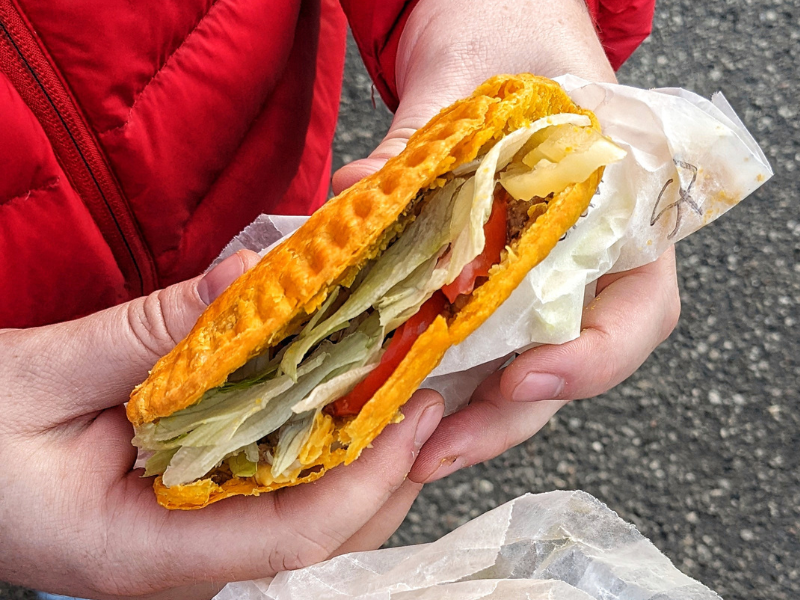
(211,442)
(199,423)
(254,371)
(337,387)
(241,465)
(404,299)
(157,463)
(293,436)
(424,238)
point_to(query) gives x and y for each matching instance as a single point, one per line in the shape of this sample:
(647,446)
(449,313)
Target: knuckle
(148,326)
(306,544)
(302,551)
(604,372)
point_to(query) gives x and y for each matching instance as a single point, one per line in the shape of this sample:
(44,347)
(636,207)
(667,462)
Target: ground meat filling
(521,215)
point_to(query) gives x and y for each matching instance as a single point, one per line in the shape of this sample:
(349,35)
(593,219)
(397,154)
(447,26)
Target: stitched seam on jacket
(47,186)
(180,243)
(161,69)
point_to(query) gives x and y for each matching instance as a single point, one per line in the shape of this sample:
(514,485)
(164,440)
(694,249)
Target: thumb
(632,314)
(93,363)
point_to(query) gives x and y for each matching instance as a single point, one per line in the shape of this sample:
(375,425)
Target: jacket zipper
(30,71)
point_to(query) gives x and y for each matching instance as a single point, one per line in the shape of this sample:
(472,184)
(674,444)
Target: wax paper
(553,546)
(689,161)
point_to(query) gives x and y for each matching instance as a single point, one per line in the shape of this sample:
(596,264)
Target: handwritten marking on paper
(685,199)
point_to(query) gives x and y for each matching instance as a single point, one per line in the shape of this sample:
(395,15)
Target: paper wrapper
(689,161)
(553,546)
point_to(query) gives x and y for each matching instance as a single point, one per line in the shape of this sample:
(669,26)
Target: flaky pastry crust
(267,303)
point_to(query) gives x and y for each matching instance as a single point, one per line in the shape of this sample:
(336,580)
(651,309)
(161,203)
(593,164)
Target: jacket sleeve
(377,25)
(621,25)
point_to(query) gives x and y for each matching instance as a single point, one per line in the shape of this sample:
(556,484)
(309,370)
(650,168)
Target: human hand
(449,47)
(633,312)
(446,50)
(76,519)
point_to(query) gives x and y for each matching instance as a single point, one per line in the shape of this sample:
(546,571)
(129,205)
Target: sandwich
(304,359)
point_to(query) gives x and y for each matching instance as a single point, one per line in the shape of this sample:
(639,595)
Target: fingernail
(538,386)
(220,277)
(448,467)
(427,424)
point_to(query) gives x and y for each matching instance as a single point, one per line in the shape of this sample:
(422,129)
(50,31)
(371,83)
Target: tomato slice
(404,337)
(495,233)
(408,332)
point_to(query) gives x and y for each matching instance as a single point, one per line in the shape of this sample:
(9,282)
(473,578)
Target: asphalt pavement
(699,448)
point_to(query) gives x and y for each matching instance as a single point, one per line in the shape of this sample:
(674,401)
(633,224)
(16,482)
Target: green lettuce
(241,466)
(255,413)
(423,239)
(158,462)
(293,436)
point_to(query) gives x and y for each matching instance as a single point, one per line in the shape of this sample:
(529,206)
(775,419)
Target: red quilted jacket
(137,138)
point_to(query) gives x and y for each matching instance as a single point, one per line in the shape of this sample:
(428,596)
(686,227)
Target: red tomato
(404,337)
(495,233)
(408,332)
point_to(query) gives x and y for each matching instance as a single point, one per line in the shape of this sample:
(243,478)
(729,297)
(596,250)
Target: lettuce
(158,462)
(404,299)
(241,465)
(251,417)
(337,387)
(209,417)
(293,435)
(424,238)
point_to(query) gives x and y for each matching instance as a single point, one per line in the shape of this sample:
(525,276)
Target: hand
(76,519)
(446,50)
(633,313)
(449,47)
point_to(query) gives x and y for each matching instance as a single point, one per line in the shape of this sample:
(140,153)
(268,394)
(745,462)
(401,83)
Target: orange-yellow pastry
(304,360)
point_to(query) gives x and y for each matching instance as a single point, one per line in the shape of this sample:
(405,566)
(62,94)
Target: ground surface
(700,448)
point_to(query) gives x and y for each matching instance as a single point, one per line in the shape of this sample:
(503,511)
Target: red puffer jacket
(137,138)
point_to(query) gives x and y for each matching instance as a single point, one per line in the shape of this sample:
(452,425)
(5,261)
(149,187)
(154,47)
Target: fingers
(247,538)
(633,313)
(489,426)
(385,522)
(89,364)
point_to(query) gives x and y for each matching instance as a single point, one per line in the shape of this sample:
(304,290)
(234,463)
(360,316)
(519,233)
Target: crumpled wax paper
(689,161)
(553,546)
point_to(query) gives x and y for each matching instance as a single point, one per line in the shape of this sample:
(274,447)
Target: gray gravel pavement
(699,449)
